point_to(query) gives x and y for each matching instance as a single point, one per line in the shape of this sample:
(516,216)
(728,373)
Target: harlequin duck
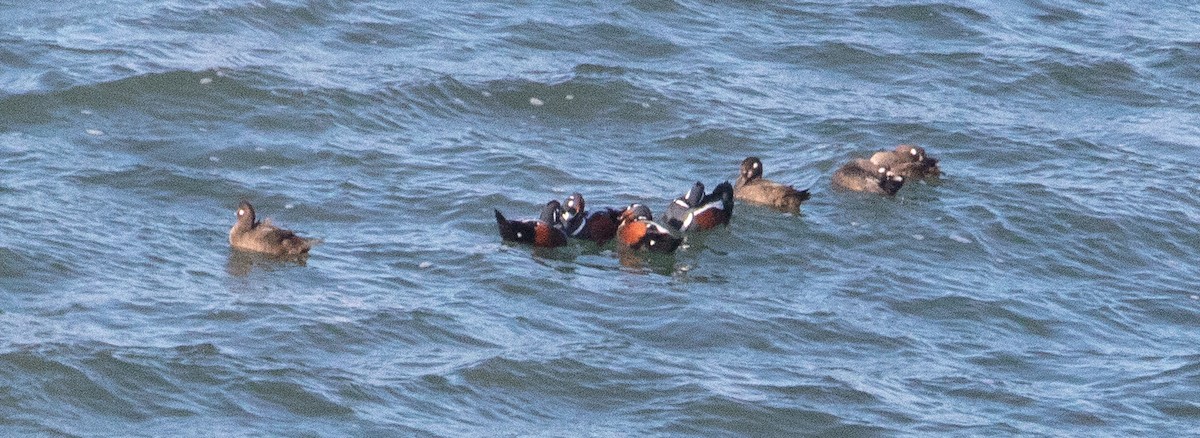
(249,234)
(599,227)
(752,187)
(695,211)
(678,208)
(639,231)
(861,175)
(908,161)
(546,231)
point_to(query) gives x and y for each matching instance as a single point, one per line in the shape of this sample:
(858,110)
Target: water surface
(1044,286)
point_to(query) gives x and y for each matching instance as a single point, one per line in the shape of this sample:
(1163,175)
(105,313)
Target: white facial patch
(912,151)
(882,170)
(754,165)
(519,235)
(241,212)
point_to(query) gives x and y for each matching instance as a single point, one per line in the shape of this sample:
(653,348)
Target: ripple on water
(940,21)
(603,38)
(162,183)
(741,417)
(1047,292)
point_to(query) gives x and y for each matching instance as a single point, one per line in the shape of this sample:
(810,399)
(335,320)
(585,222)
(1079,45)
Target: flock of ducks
(634,227)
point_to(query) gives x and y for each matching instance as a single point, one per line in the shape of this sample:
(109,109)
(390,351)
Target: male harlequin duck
(546,231)
(249,234)
(599,227)
(678,208)
(908,161)
(695,211)
(752,187)
(639,231)
(861,175)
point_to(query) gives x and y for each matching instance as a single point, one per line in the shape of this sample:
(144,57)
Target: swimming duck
(599,227)
(695,211)
(861,175)
(637,230)
(678,208)
(248,234)
(908,161)
(545,231)
(752,187)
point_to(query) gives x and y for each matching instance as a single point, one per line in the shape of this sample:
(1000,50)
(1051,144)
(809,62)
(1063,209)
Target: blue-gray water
(1046,286)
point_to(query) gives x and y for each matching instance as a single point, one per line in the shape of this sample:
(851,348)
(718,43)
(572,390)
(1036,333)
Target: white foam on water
(94,132)
(536,102)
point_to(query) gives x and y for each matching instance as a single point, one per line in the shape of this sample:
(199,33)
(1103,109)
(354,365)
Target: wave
(937,20)
(600,38)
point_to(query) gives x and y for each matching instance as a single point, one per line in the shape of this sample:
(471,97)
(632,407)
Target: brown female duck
(249,234)
(752,187)
(861,175)
(908,161)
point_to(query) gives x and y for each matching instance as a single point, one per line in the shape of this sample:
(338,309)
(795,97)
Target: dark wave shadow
(241,263)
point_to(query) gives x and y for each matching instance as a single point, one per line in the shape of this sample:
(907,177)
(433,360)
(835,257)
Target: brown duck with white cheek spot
(908,161)
(248,234)
(752,187)
(861,175)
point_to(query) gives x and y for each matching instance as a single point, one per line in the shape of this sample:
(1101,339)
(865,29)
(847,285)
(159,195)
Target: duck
(695,211)
(249,234)
(753,188)
(679,207)
(638,231)
(908,161)
(598,227)
(861,175)
(544,232)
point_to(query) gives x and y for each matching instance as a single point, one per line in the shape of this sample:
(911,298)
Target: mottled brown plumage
(908,161)
(248,234)
(861,175)
(752,187)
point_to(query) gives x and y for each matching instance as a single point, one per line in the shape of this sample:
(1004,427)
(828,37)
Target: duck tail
(506,230)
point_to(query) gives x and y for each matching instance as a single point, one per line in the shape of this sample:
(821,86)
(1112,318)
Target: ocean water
(1046,285)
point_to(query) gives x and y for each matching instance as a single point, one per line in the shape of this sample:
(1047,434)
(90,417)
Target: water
(1045,286)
